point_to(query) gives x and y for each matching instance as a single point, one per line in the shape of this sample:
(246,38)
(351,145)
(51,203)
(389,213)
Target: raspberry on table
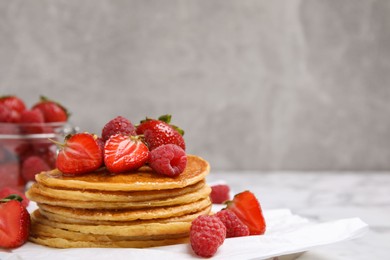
(219,193)
(207,234)
(168,159)
(118,125)
(234,226)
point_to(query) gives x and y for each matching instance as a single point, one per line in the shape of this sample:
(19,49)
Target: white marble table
(326,196)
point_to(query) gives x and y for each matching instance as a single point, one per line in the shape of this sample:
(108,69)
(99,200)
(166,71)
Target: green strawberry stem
(165,118)
(12,197)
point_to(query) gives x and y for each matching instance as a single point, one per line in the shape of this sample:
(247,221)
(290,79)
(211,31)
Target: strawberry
(7,191)
(159,131)
(81,153)
(9,175)
(51,110)
(124,153)
(247,208)
(31,121)
(14,222)
(8,115)
(13,102)
(33,165)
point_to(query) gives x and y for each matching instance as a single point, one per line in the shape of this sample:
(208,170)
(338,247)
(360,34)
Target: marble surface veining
(325,197)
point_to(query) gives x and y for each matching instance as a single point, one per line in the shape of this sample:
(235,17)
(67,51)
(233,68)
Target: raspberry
(33,165)
(118,125)
(207,234)
(168,159)
(219,193)
(234,226)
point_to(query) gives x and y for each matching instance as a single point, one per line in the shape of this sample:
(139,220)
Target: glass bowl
(27,149)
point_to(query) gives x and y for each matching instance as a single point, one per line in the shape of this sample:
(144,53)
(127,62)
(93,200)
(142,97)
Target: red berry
(51,110)
(118,125)
(219,193)
(5,192)
(33,165)
(80,154)
(9,175)
(168,159)
(32,116)
(234,226)
(207,234)
(124,153)
(8,115)
(247,208)
(32,121)
(14,103)
(15,224)
(158,132)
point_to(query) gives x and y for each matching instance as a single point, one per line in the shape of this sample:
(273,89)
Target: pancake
(48,231)
(35,195)
(55,220)
(140,180)
(136,209)
(128,214)
(136,229)
(113,196)
(59,242)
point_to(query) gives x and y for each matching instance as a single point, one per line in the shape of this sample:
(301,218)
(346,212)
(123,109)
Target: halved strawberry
(124,153)
(247,208)
(81,153)
(52,111)
(159,131)
(14,223)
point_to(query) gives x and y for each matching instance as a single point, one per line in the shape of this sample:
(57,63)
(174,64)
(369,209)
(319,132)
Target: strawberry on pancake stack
(133,186)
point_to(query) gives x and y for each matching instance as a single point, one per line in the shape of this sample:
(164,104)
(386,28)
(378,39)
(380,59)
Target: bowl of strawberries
(26,138)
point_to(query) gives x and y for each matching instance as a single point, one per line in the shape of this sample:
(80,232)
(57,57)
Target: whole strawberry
(118,125)
(52,111)
(124,153)
(7,191)
(207,234)
(14,222)
(8,115)
(81,153)
(13,102)
(33,165)
(31,121)
(157,132)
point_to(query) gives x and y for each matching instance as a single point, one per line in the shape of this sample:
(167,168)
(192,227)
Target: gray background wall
(257,85)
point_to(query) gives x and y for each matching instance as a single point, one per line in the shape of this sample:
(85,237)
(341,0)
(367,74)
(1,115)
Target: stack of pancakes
(138,209)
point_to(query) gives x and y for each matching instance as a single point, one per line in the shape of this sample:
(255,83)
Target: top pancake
(142,180)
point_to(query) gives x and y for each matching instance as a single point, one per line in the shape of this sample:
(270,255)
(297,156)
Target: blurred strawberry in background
(25,148)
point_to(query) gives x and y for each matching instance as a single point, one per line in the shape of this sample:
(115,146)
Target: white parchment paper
(286,234)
